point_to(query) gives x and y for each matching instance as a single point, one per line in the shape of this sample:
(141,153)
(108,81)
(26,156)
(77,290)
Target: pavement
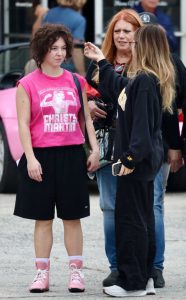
(17,253)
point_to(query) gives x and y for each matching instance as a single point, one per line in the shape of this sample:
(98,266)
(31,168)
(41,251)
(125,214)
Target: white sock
(46,260)
(76,257)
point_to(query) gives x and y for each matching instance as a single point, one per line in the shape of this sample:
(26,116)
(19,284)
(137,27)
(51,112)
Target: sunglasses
(120,68)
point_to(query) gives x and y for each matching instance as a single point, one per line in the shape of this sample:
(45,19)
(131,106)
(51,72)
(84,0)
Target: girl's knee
(43,223)
(72,223)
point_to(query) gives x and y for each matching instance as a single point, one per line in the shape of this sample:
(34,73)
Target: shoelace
(76,274)
(41,275)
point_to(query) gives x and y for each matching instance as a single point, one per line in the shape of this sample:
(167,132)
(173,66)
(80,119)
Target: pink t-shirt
(55,106)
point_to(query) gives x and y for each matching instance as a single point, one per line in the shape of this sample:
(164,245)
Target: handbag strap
(76,80)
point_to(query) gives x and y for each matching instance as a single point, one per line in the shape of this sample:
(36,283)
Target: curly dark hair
(45,37)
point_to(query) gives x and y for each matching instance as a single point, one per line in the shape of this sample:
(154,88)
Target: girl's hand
(93,52)
(125,171)
(93,161)
(175,159)
(34,169)
(95,111)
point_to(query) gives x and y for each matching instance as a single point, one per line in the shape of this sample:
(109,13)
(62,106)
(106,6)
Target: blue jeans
(160,183)
(107,189)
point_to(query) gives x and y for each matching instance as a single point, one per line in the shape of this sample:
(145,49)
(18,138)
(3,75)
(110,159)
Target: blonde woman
(117,50)
(140,151)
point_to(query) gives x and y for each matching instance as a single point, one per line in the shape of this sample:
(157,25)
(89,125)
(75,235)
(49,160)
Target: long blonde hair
(152,55)
(108,47)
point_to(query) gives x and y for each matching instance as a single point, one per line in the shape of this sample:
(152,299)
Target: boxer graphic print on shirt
(59,107)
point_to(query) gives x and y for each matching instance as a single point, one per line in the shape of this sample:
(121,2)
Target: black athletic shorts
(64,185)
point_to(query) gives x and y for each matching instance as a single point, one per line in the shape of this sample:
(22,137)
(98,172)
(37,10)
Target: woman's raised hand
(93,52)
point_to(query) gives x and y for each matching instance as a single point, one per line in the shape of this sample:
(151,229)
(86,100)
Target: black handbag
(105,138)
(105,131)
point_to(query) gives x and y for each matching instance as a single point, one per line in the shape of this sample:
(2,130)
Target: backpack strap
(82,116)
(77,83)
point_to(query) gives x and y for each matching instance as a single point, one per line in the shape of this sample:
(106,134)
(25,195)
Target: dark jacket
(180,80)
(165,21)
(170,123)
(138,131)
(181,97)
(113,83)
(139,128)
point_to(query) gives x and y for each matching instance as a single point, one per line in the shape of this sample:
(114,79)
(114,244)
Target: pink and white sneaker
(40,283)
(76,281)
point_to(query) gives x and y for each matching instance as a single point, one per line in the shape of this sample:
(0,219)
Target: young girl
(52,170)
(140,150)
